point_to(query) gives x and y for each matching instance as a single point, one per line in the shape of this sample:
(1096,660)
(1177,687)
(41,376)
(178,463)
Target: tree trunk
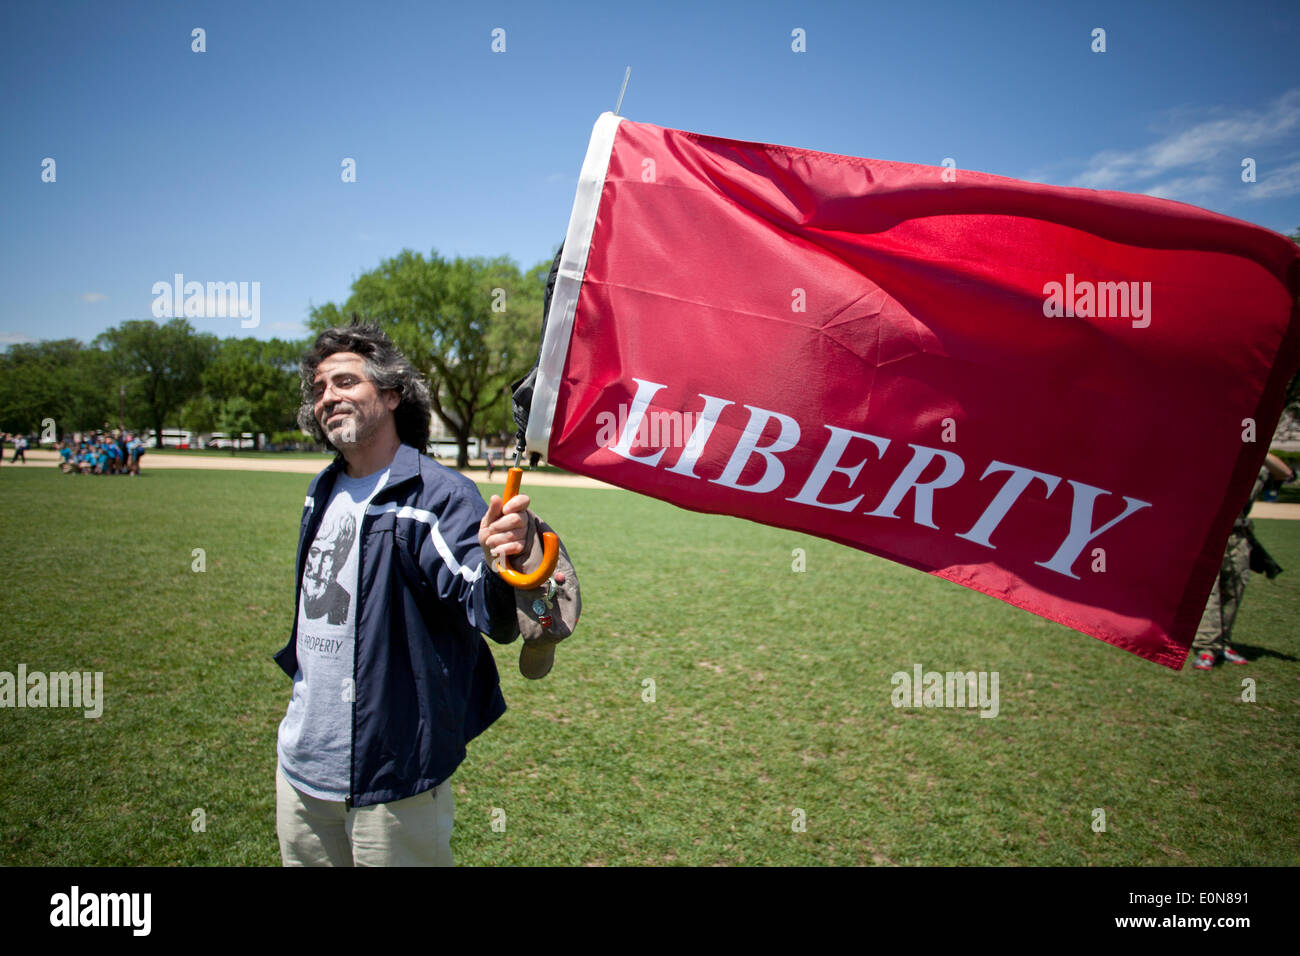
(462,447)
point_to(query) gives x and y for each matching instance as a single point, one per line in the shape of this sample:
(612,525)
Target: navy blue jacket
(424,679)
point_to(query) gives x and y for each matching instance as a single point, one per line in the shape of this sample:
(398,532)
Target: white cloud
(15,338)
(1275,183)
(93,297)
(1197,154)
(1185,188)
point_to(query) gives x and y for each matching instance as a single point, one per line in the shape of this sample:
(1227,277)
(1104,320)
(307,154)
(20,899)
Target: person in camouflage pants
(1211,642)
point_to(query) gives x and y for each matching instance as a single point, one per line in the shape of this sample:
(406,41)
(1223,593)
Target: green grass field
(772,695)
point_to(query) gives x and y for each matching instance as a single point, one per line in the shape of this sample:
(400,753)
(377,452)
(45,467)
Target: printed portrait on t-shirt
(323,596)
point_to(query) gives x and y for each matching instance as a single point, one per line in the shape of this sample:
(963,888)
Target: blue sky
(225,165)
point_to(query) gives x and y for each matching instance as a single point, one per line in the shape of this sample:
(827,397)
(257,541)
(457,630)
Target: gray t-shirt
(315,740)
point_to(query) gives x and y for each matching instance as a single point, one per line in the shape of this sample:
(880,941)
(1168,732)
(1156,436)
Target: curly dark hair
(385,366)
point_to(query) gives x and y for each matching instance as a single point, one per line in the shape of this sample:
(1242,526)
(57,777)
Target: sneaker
(1232,657)
(1204,661)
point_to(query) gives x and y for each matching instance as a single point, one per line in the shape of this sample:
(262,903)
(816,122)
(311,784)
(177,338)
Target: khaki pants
(1220,613)
(411,832)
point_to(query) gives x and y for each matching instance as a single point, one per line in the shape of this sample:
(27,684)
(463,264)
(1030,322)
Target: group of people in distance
(102,453)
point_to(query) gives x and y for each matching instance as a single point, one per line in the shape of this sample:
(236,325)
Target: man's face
(347,405)
(320,569)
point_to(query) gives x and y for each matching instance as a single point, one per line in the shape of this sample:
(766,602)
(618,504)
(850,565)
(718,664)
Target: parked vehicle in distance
(224,440)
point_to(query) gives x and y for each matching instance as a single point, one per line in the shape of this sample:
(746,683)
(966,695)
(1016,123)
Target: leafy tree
(497,420)
(63,380)
(263,373)
(199,414)
(161,365)
(471,325)
(234,417)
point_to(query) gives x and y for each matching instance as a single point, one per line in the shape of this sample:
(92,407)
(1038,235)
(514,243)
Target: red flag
(1058,397)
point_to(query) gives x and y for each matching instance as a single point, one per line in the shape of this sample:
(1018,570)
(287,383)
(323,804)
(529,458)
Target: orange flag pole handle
(550,546)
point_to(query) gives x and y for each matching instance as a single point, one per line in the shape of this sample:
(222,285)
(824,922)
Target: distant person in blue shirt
(137,449)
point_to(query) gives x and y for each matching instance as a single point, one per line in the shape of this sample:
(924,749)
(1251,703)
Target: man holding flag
(397,584)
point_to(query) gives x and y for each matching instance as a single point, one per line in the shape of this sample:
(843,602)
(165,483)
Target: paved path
(1274,509)
(303,466)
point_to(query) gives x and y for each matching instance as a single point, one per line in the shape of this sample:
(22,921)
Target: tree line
(472,325)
